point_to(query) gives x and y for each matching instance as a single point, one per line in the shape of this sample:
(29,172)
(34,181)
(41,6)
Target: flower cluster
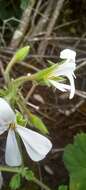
(37,146)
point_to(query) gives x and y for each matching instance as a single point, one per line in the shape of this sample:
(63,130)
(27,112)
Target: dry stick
(59,38)
(30,92)
(42,22)
(23,26)
(51,24)
(82,37)
(72,110)
(81,65)
(36,12)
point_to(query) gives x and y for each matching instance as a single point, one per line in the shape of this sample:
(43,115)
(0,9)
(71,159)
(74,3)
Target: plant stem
(19,81)
(19,170)
(38,182)
(10,169)
(9,66)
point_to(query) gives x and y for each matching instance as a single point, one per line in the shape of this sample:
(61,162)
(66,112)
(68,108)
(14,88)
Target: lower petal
(12,153)
(60,86)
(37,146)
(72,91)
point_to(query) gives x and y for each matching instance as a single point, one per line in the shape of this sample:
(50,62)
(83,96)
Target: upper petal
(12,153)
(37,145)
(63,69)
(6,113)
(67,54)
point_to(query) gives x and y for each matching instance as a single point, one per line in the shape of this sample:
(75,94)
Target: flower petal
(60,86)
(6,113)
(37,146)
(63,69)
(67,54)
(12,153)
(72,91)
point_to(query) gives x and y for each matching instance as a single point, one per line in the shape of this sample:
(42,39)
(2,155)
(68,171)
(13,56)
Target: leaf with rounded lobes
(75,161)
(20,119)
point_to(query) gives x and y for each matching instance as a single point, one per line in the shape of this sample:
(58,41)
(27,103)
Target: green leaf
(75,161)
(21,54)
(63,187)
(20,119)
(38,123)
(15,182)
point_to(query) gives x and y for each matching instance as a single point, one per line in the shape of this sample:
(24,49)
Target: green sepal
(28,175)
(45,73)
(20,119)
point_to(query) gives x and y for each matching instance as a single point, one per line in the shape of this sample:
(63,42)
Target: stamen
(12,126)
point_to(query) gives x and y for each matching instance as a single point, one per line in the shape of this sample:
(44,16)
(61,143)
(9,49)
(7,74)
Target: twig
(42,22)
(59,38)
(55,15)
(72,110)
(30,92)
(81,93)
(81,65)
(22,28)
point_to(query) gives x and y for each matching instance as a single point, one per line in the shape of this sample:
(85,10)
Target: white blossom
(37,146)
(66,70)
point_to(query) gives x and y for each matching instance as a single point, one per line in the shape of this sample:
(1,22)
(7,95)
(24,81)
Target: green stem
(9,66)
(19,81)
(19,170)
(10,169)
(7,71)
(38,182)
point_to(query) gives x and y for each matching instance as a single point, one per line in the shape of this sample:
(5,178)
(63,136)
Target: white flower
(66,69)
(37,146)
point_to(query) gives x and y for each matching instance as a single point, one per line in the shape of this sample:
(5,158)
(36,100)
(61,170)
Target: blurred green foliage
(9,9)
(24,4)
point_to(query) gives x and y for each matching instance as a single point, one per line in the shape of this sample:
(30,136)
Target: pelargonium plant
(17,126)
